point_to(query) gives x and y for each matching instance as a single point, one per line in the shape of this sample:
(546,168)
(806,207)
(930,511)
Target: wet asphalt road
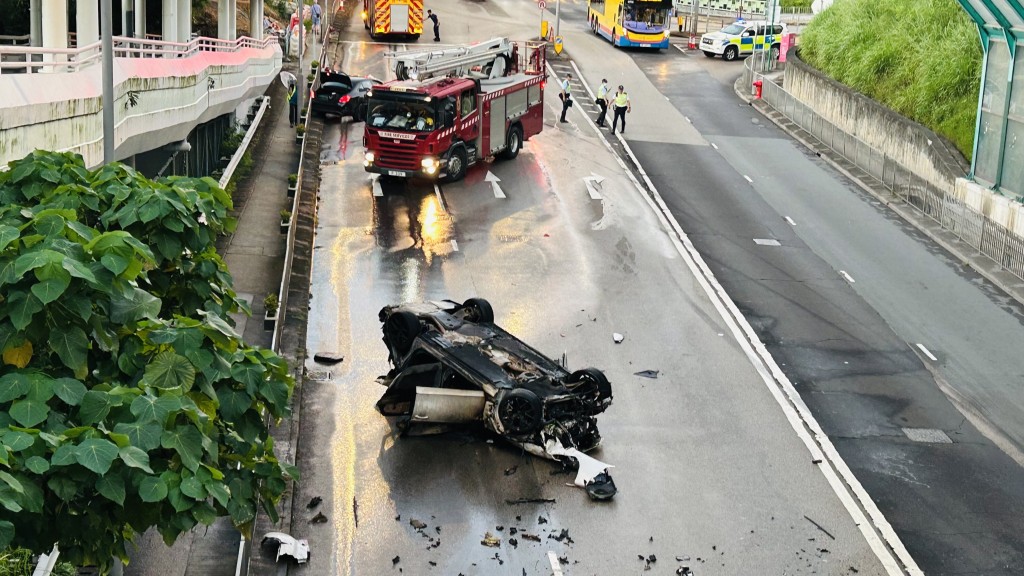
(708,466)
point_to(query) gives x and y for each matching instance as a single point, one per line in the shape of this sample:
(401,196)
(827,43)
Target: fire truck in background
(393,17)
(451,108)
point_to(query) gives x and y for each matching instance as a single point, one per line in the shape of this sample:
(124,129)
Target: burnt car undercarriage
(453,365)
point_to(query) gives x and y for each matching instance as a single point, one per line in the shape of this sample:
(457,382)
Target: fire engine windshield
(405,114)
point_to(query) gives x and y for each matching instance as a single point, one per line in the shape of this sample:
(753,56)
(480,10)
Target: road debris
(530,501)
(314,502)
(618,338)
(555,561)
(318,519)
(819,527)
(491,540)
(417,524)
(530,537)
(652,374)
(562,536)
(396,560)
(287,545)
(512,470)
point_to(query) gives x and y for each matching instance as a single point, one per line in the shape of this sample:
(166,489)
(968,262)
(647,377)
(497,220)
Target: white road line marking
(791,221)
(556,568)
(715,146)
(847,276)
(748,178)
(440,200)
(927,353)
(680,48)
(885,543)
(455,246)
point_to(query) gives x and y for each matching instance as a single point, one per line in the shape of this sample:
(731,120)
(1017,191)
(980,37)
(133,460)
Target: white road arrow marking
(494,184)
(593,183)
(375,184)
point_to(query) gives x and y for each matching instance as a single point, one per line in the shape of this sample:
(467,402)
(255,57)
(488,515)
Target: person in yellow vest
(620,105)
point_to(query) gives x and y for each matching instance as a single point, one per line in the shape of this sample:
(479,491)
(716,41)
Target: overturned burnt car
(452,365)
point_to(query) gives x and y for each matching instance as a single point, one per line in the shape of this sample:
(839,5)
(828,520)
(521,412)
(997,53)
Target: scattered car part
(318,519)
(314,502)
(652,374)
(298,550)
(328,357)
(618,338)
(453,365)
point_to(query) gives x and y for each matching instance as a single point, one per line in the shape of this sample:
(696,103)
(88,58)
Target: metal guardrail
(34,59)
(989,238)
(229,171)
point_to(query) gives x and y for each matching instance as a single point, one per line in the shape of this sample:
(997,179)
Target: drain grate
(927,435)
(318,375)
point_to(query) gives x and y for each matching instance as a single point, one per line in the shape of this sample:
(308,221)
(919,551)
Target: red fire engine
(449,109)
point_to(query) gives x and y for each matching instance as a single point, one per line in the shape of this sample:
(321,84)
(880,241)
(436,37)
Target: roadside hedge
(922,58)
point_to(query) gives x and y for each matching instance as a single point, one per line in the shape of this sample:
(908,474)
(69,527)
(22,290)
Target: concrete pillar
(35,10)
(140,19)
(255,19)
(184,20)
(55,28)
(127,18)
(169,20)
(87,21)
(232,19)
(223,19)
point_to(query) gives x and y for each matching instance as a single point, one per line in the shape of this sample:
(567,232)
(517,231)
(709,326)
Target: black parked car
(453,365)
(342,95)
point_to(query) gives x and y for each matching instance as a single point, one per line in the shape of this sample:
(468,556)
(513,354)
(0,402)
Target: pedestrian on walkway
(293,105)
(317,15)
(437,25)
(566,96)
(621,106)
(602,101)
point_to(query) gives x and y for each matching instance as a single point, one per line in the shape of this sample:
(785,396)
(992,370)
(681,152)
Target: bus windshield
(404,114)
(652,17)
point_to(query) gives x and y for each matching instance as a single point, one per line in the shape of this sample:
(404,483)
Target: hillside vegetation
(921,58)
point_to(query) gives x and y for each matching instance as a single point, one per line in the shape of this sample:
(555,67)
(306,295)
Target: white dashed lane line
(927,353)
(791,221)
(847,276)
(747,178)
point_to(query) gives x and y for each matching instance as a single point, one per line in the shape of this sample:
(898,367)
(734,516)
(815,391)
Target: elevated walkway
(162,90)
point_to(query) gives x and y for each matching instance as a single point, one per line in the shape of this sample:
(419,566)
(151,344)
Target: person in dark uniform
(437,25)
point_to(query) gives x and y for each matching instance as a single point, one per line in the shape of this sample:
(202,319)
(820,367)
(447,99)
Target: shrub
(293,179)
(300,129)
(285,216)
(270,303)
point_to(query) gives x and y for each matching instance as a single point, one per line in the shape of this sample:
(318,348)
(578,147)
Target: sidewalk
(988,268)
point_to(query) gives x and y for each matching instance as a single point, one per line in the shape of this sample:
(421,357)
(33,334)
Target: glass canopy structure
(998,159)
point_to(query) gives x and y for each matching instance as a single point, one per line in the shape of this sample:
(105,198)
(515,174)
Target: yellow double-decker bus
(638,23)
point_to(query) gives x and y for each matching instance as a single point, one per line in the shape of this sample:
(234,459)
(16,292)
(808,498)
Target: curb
(1014,288)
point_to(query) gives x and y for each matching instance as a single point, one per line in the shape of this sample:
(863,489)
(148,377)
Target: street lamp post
(558,6)
(107,52)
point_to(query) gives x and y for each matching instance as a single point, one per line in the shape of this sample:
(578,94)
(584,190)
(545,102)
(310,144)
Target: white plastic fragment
(288,546)
(617,337)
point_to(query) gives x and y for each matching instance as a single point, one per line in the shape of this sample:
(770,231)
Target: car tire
(400,330)
(730,53)
(594,376)
(519,411)
(513,143)
(479,310)
(709,54)
(457,159)
(401,72)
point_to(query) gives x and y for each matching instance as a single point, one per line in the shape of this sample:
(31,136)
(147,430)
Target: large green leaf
(8,234)
(169,370)
(250,374)
(111,486)
(13,482)
(152,490)
(219,492)
(33,260)
(72,346)
(154,408)
(13,385)
(187,442)
(65,488)
(28,412)
(114,262)
(7,275)
(193,488)
(139,305)
(22,171)
(276,391)
(145,435)
(17,441)
(69,390)
(233,403)
(94,407)
(22,306)
(135,457)
(63,456)
(79,270)
(37,464)
(49,290)
(40,388)
(96,454)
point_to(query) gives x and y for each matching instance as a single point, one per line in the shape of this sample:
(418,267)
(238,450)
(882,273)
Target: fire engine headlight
(368,158)
(430,165)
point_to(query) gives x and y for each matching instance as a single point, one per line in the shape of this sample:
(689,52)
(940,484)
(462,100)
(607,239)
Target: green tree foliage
(127,400)
(922,58)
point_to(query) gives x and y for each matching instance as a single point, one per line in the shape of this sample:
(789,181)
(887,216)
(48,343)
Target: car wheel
(519,411)
(730,53)
(479,310)
(401,72)
(401,330)
(592,377)
(709,54)
(457,165)
(513,143)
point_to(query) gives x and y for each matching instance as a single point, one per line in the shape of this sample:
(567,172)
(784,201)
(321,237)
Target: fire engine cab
(451,108)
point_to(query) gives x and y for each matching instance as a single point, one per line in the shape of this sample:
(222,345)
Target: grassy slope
(921,58)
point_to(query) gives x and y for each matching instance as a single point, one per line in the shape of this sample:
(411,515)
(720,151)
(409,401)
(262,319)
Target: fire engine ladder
(493,57)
